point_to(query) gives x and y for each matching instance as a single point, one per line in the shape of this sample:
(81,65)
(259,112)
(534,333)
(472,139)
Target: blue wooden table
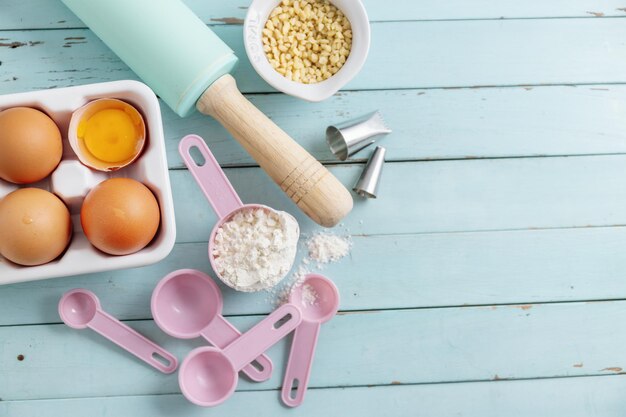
(488,279)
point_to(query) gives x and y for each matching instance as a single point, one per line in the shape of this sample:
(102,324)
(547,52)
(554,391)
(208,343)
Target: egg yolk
(111,135)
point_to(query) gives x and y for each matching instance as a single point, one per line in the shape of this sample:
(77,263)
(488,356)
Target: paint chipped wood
(16,44)
(228,20)
(612,369)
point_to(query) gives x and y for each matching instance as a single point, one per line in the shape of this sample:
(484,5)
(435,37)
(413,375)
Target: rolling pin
(188,66)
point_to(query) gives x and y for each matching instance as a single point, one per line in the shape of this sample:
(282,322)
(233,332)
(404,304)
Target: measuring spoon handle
(298,370)
(221,333)
(133,342)
(263,335)
(209,176)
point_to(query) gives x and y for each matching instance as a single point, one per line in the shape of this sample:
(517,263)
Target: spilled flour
(309,295)
(322,249)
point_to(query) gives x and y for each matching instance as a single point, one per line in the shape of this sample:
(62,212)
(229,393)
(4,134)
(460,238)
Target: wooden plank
(492,53)
(438,124)
(447,196)
(572,397)
(45,14)
(443,196)
(428,270)
(372,348)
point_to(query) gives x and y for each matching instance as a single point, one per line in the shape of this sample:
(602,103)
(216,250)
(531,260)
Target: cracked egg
(107,134)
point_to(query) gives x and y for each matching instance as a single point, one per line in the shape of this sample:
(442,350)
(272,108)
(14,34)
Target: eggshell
(35,226)
(30,145)
(120,216)
(90,109)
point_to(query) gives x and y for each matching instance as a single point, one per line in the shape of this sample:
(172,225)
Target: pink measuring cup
(208,376)
(217,189)
(80,308)
(187,304)
(314,313)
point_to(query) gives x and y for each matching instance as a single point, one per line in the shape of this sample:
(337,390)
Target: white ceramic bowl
(71,181)
(258,13)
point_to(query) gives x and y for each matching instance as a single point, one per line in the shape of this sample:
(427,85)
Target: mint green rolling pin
(188,66)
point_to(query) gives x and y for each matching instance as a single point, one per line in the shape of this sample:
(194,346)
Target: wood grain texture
(503,234)
(44,14)
(371,348)
(443,196)
(437,124)
(310,185)
(509,52)
(573,397)
(384,272)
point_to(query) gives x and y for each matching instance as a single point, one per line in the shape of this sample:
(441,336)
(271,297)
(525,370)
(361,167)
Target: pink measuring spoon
(318,298)
(80,308)
(208,376)
(218,190)
(187,304)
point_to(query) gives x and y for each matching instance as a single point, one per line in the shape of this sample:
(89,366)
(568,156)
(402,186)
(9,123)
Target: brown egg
(30,145)
(120,216)
(35,226)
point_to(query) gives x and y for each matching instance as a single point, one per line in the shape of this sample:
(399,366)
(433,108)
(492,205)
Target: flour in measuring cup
(256,248)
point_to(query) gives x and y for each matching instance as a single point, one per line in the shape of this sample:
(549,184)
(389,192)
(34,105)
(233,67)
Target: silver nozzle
(347,138)
(367,185)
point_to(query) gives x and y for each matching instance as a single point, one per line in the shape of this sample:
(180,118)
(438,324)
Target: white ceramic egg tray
(71,181)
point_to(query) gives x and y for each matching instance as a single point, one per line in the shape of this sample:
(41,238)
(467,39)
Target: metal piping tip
(347,138)
(367,185)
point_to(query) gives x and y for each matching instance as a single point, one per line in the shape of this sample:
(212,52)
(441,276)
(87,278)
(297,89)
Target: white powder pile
(325,248)
(255,249)
(309,295)
(280,295)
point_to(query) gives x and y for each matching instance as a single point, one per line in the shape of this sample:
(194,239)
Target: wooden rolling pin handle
(307,182)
